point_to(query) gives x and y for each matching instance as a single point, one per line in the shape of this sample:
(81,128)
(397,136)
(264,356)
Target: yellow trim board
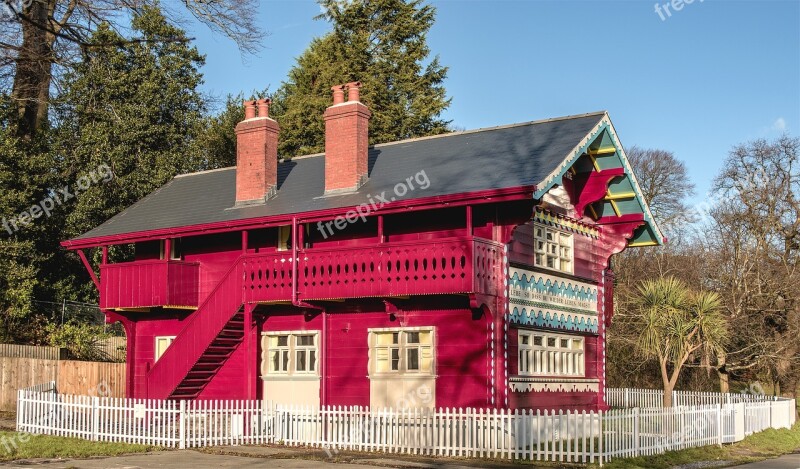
(615,207)
(602,151)
(642,244)
(621,195)
(594,163)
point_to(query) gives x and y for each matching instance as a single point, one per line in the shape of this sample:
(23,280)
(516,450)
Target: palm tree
(677,324)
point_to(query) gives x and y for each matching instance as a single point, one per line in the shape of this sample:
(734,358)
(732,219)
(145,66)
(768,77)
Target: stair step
(223,347)
(195,383)
(227,339)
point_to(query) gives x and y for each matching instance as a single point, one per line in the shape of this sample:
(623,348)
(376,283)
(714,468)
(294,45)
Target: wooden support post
(301,236)
(245,240)
(105,255)
(88,266)
(251,359)
(381,237)
(167,249)
(469,220)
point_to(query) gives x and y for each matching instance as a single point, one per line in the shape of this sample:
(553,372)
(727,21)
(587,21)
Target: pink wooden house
(464,270)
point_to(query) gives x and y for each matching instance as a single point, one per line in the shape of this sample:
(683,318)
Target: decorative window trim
(565,223)
(168,339)
(399,354)
(293,349)
(526,384)
(546,354)
(553,248)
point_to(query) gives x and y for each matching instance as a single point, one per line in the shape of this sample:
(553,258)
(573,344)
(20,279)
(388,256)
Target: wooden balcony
(435,267)
(146,284)
(449,266)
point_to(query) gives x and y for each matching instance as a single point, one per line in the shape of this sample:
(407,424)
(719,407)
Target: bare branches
(233,18)
(665,183)
(44,37)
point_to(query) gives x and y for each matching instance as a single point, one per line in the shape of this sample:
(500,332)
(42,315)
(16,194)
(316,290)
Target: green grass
(15,446)
(763,445)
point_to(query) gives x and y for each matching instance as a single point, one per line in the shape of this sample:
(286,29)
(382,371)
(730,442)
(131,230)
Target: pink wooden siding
(148,283)
(462,348)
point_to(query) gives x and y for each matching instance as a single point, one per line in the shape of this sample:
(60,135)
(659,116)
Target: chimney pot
(338,94)
(263,107)
(249,109)
(353,89)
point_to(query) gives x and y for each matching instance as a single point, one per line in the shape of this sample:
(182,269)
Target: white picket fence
(628,398)
(519,434)
(182,424)
(571,436)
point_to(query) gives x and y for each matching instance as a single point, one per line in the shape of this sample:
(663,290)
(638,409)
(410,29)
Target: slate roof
(462,162)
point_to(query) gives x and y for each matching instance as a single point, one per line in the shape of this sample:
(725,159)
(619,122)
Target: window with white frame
(289,353)
(553,248)
(401,351)
(545,354)
(162,342)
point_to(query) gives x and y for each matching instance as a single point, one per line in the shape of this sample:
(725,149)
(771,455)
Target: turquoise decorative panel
(548,301)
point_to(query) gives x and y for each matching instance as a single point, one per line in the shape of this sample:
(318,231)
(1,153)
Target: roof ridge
(429,137)
(203,172)
(487,129)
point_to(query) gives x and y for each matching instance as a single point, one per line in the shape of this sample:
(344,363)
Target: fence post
(636,431)
(719,423)
(20,408)
(601,423)
(182,426)
(95,418)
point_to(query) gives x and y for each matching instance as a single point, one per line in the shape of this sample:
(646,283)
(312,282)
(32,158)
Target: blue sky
(714,74)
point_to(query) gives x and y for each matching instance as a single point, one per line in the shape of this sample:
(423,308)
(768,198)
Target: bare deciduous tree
(665,184)
(38,38)
(755,235)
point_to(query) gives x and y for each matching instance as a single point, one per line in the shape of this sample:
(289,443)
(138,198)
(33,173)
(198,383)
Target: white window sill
(402,376)
(552,379)
(285,377)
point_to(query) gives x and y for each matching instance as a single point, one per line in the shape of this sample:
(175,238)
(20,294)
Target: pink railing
(201,329)
(267,277)
(145,284)
(457,265)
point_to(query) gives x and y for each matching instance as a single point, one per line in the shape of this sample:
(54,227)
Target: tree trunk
(669,385)
(668,395)
(34,64)
(724,381)
(722,373)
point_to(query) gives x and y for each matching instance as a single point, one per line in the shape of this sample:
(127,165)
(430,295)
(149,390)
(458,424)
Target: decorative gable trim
(603,126)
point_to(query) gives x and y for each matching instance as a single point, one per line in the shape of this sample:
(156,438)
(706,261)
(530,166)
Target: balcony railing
(449,266)
(456,265)
(145,284)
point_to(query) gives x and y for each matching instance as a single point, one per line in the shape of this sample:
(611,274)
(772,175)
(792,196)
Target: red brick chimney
(256,154)
(346,140)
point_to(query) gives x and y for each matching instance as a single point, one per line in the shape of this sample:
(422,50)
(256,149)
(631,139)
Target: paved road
(184,459)
(789,461)
(195,460)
